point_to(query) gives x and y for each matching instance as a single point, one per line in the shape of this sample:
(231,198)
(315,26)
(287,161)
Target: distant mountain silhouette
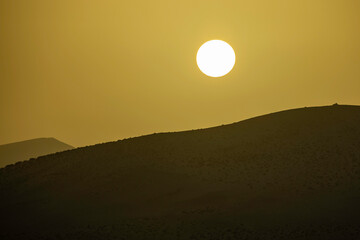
(24,150)
(288,175)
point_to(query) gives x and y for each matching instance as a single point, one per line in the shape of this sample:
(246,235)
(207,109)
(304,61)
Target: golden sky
(87,72)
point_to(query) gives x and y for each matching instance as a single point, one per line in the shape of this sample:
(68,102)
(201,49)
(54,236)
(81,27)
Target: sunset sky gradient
(87,72)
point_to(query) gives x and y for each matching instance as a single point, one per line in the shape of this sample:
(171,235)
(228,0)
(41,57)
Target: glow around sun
(215,58)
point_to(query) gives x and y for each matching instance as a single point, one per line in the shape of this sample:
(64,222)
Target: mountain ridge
(294,174)
(11,153)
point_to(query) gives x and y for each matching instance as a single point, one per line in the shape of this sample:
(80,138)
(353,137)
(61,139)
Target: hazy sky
(87,72)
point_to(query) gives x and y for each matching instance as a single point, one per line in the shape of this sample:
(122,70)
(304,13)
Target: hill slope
(288,175)
(20,151)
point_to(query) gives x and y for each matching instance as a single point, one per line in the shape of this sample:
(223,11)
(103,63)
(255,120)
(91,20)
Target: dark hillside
(288,175)
(20,151)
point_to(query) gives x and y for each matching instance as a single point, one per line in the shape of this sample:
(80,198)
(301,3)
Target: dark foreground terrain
(24,150)
(288,175)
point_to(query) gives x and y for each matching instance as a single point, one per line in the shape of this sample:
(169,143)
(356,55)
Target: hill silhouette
(24,150)
(288,175)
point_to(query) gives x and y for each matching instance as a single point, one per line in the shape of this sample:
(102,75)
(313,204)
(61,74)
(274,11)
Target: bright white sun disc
(215,58)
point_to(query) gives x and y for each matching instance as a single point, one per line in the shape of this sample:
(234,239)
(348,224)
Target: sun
(215,58)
